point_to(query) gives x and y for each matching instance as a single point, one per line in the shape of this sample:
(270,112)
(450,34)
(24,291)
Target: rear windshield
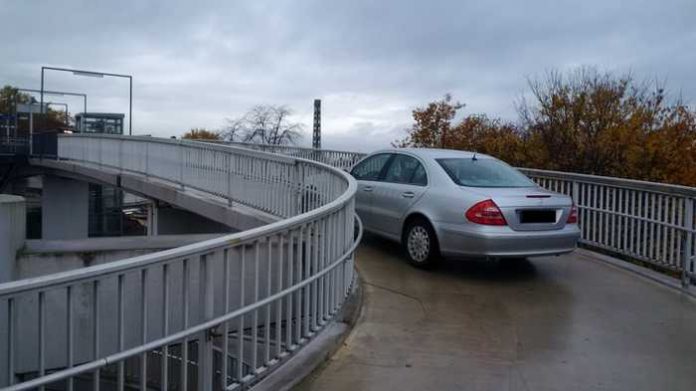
(483,173)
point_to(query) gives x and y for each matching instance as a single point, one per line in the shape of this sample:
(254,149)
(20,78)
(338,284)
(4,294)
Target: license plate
(537,216)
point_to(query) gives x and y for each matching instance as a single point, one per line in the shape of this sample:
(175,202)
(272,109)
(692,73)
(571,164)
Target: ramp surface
(554,323)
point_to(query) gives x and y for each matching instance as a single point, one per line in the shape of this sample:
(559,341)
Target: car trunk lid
(529,208)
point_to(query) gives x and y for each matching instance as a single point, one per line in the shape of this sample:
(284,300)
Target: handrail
(115,358)
(305,258)
(183,251)
(216,146)
(339,159)
(627,183)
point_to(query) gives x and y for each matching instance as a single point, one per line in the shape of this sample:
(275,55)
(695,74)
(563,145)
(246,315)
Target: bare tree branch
(264,124)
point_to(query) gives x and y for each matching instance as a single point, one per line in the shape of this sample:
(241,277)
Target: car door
(402,184)
(367,173)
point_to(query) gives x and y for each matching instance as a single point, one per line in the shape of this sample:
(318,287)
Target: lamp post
(79,72)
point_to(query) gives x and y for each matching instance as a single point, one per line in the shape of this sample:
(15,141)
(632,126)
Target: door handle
(408,194)
(367,188)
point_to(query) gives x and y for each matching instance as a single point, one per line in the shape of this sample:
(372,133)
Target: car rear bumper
(459,240)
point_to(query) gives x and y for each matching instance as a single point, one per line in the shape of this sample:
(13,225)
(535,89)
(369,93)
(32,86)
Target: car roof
(435,153)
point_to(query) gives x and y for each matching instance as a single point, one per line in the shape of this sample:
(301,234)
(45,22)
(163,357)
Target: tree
(9,96)
(201,134)
(433,128)
(598,123)
(264,124)
(582,121)
(492,136)
(431,124)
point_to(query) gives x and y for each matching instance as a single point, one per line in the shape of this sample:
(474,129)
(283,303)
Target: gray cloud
(196,63)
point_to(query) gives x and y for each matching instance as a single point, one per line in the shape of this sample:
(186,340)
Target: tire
(420,244)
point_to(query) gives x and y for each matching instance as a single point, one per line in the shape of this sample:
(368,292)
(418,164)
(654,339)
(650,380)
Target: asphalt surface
(553,323)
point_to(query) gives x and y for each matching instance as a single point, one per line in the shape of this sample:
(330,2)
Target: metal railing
(340,159)
(14,146)
(645,221)
(219,314)
(650,222)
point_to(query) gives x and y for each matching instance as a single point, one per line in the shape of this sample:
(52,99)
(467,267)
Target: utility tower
(316,139)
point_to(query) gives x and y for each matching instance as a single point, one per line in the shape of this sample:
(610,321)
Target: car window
(406,169)
(483,173)
(370,168)
(419,177)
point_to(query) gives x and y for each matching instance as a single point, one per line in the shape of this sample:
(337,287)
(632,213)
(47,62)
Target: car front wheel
(420,244)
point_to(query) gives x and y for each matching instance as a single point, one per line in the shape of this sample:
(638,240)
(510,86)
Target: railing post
(152,217)
(147,158)
(181,164)
(228,159)
(298,190)
(575,192)
(688,249)
(205,348)
(120,154)
(57,148)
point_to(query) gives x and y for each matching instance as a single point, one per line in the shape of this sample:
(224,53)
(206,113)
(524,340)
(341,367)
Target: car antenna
(474,157)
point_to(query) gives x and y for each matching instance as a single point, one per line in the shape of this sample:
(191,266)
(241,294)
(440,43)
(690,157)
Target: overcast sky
(196,63)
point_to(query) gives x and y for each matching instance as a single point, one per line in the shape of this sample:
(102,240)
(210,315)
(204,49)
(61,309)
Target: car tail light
(486,213)
(573,216)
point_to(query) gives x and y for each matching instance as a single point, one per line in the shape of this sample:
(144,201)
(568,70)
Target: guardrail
(219,314)
(645,221)
(339,159)
(14,146)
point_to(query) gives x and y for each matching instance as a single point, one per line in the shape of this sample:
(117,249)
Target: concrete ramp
(204,204)
(553,323)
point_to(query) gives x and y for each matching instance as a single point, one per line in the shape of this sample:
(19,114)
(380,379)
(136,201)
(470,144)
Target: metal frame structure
(218,314)
(79,72)
(316,134)
(58,93)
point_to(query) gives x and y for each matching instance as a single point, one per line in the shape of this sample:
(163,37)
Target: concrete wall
(12,233)
(64,208)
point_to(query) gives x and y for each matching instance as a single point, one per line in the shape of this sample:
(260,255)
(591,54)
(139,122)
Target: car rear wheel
(420,244)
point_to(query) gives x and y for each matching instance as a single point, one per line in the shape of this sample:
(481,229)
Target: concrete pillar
(64,209)
(13,228)
(152,219)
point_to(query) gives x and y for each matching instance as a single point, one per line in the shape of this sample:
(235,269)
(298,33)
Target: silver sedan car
(456,204)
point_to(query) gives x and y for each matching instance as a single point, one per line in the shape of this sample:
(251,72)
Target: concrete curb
(651,275)
(319,350)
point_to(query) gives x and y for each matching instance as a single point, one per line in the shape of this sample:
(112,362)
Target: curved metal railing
(650,222)
(343,160)
(218,314)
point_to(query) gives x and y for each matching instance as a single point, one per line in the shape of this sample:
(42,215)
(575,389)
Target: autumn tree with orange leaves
(583,121)
(201,134)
